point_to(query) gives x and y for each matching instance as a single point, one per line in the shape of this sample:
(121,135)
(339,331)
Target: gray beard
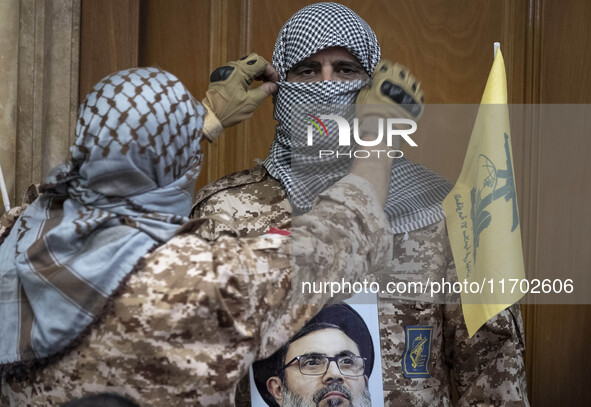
(293,400)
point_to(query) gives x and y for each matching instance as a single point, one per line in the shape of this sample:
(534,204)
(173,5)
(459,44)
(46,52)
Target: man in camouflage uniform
(487,369)
(190,317)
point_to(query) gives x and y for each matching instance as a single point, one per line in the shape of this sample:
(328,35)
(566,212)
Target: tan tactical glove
(393,84)
(393,93)
(229,100)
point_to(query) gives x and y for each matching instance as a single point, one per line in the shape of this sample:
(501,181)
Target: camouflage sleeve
(345,237)
(197,313)
(8,218)
(255,200)
(246,302)
(488,368)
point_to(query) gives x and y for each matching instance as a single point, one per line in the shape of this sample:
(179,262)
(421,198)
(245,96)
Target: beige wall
(38,87)
(9,26)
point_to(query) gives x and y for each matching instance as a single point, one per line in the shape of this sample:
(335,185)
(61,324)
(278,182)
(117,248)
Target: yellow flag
(481,211)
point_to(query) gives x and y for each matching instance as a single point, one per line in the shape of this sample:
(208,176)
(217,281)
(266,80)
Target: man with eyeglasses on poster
(327,363)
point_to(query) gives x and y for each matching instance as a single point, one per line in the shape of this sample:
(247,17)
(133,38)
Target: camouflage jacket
(487,369)
(196,313)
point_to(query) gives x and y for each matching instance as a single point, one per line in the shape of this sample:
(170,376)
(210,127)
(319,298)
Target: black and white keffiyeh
(320,26)
(415,195)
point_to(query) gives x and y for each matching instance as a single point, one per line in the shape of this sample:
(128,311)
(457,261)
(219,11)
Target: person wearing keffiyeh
(125,191)
(488,368)
(107,287)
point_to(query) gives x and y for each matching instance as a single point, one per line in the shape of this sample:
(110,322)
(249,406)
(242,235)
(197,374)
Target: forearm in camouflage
(342,238)
(182,333)
(255,206)
(8,219)
(243,306)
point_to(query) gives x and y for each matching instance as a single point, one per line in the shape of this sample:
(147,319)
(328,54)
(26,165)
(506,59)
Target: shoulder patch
(417,351)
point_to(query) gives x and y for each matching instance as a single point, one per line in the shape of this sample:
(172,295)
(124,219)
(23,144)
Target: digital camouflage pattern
(266,203)
(7,220)
(197,313)
(487,369)
(9,217)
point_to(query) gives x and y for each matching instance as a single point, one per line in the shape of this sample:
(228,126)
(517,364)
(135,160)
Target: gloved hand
(393,84)
(393,93)
(229,100)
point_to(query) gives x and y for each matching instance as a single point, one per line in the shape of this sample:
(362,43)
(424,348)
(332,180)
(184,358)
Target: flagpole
(4,191)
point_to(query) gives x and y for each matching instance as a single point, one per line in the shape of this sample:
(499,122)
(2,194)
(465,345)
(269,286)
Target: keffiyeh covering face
(415,192)
(126,190)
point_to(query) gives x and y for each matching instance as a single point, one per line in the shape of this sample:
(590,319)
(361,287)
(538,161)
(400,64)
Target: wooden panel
(449,46)
(175,36)
(566,39)
(178,36)
(108,39)
(559,364)
(9,73)
(563,233)
(259,131)
(231,151)
(47,88)
(266,17)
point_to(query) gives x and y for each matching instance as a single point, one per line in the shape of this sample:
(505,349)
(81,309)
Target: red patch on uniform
(279,231)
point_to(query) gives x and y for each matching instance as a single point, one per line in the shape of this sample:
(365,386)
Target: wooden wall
(559,231)
(448,45)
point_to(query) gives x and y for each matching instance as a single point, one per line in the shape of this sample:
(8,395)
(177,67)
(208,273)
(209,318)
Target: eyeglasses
(314,364)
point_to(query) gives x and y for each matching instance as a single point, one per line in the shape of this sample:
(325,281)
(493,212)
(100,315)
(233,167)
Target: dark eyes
(321,360)
(302,73)
(305,71)
(313,361)
(346,361)
(348,71)
(311,71)
(314,72)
